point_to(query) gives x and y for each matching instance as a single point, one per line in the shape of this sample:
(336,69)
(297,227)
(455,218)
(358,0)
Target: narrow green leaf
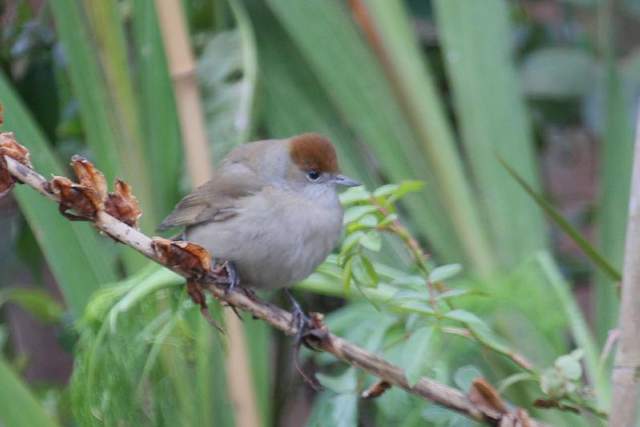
(102,85)
(36,301)
(444,272)
(464,317)
(80,259)
(159,118)
(18,406)
(616,155)
(564,225)
(418,353)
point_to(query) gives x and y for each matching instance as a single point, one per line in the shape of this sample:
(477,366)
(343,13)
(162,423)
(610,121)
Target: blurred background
(438,91)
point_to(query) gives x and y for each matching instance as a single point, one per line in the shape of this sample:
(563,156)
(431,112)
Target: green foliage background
(477,82)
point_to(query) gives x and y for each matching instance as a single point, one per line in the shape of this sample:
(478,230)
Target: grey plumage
(261,211)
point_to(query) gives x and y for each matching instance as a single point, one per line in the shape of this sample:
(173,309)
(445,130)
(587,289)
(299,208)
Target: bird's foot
(299,320)
(233,279)
(303,326)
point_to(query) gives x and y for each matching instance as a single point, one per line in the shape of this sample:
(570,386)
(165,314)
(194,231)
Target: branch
(626,369)
(116,214)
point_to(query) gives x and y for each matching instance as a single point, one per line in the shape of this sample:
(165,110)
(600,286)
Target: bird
(271,210)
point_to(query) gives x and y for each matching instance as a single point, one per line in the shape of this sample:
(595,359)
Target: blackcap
(271,208)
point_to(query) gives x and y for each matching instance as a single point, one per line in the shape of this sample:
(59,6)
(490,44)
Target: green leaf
(372,274)
(95,47)
(347,274)
(416,86)
(350,242)
(564,225)
(18,406)
(355,195)
(444,272)
(227,71)
(418,353)
(453,293)
(354,213)
(86,261)
(386,190)
(418,307)
(372,241)
(37,302)
(406,187)
(493,119)
(464,317)
(159,117)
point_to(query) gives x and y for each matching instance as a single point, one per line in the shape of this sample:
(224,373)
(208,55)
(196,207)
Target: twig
(626,369)
(215,280)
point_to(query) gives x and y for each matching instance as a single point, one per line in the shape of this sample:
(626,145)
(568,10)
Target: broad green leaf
(574,234)
(227,71)
(18,406)
(492,115)
(80,259)
(419,351)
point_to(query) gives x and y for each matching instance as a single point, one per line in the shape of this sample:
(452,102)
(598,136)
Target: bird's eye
(313,175)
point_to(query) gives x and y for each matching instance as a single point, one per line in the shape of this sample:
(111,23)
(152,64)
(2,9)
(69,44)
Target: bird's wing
(216,200)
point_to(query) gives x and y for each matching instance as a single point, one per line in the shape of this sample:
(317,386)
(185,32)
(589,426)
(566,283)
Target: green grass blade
(413,78)
(79,258)
(476,45)
(157,105)
(564,225)
(18,406)
(354,82)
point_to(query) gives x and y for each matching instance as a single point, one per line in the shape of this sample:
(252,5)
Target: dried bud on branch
(191,259)
(9,147)
(122,204)
(488,401)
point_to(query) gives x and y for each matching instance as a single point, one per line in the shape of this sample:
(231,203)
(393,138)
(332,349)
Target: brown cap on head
(312,151)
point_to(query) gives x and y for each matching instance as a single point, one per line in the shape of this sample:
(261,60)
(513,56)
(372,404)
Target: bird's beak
(345,181)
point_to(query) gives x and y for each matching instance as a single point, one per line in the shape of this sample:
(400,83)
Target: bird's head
(314,165)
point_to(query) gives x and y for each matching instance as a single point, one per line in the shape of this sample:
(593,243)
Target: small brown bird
(271,209)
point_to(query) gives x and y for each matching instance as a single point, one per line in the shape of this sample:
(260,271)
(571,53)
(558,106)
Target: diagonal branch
(193,263)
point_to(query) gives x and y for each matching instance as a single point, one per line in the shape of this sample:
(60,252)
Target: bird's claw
(233,279)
